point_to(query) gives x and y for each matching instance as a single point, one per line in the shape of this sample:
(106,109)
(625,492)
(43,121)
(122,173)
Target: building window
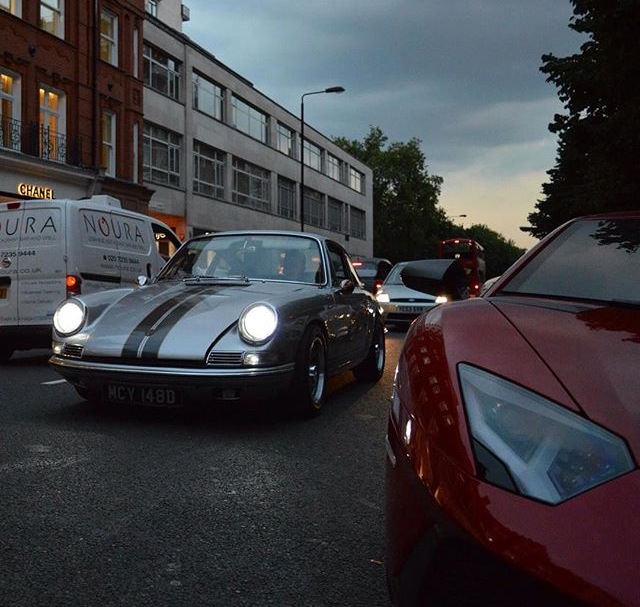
(11,6)
(312,155)
(357,224)
(286,140)
(335,215)
(161,158)
(334,167)
(251,185)
(249,120)
(108,148)
(52,140)
(10,130)
(207,96)
(109,37)
(356,180)
(208,170)
(152,7)
(161,72)
(286,198)
(313,211)
(52,17)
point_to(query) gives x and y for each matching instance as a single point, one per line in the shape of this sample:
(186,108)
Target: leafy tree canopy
(407,221)
(598,159)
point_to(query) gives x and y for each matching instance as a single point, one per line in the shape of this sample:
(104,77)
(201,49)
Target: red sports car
(514,432)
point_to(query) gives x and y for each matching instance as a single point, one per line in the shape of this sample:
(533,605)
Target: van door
(93,248)
(32,263)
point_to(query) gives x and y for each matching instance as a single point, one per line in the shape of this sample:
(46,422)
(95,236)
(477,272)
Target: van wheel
(5,353)
(372,367)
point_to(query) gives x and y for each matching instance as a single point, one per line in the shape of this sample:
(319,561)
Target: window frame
(52,142)
(10,104)
(357,223)
(57,11)
(153,142)
(287,198)
(216,94)
(109,40)
(251,185)
(217,161)
(255,122)
(108,146)
(157,63)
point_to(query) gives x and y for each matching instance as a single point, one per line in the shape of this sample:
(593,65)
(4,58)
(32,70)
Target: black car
(372,271)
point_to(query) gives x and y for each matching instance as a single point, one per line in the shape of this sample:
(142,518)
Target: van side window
(166,241)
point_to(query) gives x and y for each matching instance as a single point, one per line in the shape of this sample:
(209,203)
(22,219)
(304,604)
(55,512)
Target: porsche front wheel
(310,382)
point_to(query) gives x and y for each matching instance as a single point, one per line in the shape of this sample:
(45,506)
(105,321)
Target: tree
(407,220)
(598,160)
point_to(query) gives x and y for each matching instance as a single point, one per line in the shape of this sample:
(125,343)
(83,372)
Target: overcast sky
(460,75)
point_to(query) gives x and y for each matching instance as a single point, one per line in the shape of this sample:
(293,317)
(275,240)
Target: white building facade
(220,155)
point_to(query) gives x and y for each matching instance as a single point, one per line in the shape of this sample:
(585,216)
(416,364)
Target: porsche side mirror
(346,286)
(437,277)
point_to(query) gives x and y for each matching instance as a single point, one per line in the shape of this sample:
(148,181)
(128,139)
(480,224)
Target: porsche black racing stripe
(173,308)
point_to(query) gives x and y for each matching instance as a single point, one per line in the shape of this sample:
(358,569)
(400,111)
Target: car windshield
(247,257)
(593,259)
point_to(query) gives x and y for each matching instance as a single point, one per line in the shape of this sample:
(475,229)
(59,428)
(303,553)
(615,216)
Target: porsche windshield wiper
(223,280)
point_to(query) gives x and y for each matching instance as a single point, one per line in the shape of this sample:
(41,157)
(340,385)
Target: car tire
(372,367)
(310,380)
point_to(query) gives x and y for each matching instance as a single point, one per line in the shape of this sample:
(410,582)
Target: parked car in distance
(372,271)
(400,304)
(231,315)
(514,432)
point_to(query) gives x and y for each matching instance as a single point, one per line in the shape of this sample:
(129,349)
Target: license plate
(158,396)
(3,293)
(410,309)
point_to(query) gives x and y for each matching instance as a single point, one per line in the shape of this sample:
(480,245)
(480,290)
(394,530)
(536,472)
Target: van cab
(53,249)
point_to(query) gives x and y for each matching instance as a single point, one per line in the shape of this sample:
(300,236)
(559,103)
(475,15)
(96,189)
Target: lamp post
(331,89)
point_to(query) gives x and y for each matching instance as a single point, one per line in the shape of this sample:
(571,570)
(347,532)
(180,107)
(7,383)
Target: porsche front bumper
(121,382)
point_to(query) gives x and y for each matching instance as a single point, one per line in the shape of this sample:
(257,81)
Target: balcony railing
(37,140)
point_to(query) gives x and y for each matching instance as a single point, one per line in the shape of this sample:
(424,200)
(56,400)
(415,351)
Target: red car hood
(594,353)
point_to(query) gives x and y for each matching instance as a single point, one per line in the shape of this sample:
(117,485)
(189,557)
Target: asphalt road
(225,507)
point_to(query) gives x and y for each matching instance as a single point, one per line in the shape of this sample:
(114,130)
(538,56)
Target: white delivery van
(52,249)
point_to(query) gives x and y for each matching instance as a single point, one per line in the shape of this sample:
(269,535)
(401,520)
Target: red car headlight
(532,446)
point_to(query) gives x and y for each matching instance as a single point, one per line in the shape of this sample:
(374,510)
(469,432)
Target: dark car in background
(232,315)
(514,432)
(372,271)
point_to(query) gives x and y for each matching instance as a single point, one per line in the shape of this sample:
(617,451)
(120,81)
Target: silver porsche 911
(232,315)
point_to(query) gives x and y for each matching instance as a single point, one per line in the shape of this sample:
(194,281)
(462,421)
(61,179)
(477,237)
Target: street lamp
(331,89)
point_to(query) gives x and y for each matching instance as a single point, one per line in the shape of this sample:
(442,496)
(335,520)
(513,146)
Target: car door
(351,314)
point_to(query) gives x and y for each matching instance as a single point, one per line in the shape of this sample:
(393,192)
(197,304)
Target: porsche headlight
(257,323)
(69,317)
(530,445)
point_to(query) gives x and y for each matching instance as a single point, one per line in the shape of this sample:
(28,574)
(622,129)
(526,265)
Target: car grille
(72,350)
(225,359)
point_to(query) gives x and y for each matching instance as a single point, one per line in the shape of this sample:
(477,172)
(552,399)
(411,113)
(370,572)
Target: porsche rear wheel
(310,383)
(372,367)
